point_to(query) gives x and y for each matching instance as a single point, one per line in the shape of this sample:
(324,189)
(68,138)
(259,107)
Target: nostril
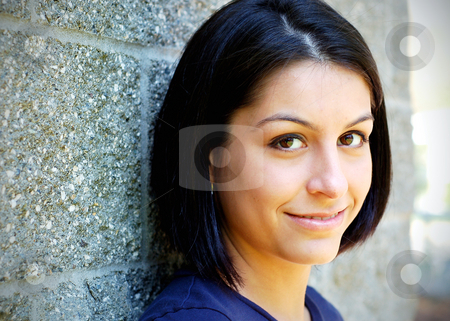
(328,180)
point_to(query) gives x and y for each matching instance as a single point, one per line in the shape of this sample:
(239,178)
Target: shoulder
(319,307)
(189,297)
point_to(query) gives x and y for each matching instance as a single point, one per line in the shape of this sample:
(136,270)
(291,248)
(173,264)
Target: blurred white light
(431,128)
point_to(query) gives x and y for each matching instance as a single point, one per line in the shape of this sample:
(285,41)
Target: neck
(276,285)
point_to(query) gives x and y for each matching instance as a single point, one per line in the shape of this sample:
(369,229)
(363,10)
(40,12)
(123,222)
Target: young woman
(279,160)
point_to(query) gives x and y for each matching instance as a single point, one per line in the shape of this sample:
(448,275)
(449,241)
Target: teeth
(327,218)
(321,218)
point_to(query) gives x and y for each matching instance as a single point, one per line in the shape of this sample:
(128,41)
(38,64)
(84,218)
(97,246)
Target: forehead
(308,89)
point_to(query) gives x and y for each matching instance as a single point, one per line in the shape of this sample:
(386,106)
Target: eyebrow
(285,117)
(361,119)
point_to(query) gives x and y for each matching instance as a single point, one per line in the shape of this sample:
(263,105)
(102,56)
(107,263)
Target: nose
(327,177)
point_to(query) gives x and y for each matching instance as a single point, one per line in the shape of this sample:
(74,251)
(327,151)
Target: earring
(212,188)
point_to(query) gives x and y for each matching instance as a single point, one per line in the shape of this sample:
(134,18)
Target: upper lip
(328,214)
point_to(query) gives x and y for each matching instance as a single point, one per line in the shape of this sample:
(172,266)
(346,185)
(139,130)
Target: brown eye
(351,140)
(346,139)
(287,142)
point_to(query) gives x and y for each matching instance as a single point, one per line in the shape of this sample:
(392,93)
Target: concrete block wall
(80,84)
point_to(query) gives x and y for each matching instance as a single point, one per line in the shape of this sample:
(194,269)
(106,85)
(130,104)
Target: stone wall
(81,82)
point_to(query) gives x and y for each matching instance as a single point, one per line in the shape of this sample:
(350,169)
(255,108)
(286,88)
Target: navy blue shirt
(192,298)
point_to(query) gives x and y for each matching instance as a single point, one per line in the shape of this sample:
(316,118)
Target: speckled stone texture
(100,298)
(70,170)
(16,307)
(68,301)
(110,297)
(17,8)
(156,22)
(158,75)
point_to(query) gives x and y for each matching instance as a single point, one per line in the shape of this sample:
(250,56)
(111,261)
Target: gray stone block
(70,158)
(143,287)
(156,22)
(17,8)
(97,298)
(109,300)
(67,302)
(159,74)
(16,307)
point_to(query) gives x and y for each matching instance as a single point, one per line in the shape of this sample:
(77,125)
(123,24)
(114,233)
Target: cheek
(256,207)
(360,178)
(283,181)
(245,217)
(243,167)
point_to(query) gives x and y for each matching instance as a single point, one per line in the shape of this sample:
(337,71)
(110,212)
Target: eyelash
(277,140)
(274,143)
(363,137)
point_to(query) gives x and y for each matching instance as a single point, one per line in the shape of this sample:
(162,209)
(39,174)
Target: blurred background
(430,98)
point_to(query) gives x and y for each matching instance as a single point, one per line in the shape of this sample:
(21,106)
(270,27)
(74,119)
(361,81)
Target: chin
(318,253)
(325,259)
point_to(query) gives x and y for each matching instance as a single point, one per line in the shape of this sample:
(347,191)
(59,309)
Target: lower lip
(318,225)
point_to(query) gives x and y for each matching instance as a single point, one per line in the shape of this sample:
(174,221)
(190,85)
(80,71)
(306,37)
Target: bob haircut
(220,71)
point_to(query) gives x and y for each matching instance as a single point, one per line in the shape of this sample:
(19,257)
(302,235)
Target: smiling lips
(325,218)
(324,222)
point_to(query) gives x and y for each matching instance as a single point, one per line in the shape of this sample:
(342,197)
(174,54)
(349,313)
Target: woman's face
(312,158)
